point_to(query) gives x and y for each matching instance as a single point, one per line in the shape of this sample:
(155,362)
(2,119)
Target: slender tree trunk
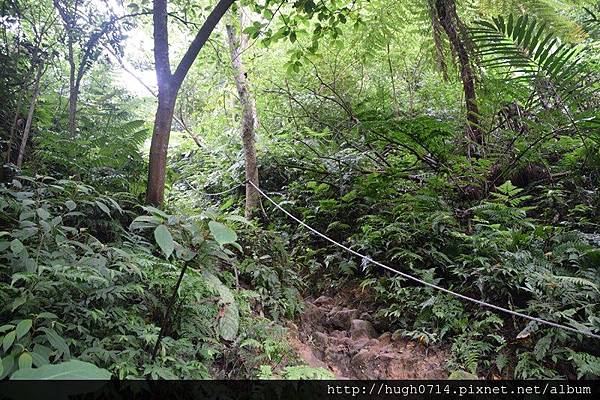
(13,128)
(73,98)
(168,87)
(73,89)
(158,149)
(446,11)
(69,18)
(27,129)
(237,46)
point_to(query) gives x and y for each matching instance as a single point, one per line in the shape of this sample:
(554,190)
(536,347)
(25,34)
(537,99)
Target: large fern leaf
(531,53)
(592,22)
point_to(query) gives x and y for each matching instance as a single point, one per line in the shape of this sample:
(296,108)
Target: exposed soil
(344,341)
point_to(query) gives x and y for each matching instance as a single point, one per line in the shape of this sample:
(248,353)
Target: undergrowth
(88,276)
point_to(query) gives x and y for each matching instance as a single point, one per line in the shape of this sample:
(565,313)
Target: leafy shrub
(72,288)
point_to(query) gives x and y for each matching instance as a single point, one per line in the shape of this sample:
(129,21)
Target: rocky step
(346,342)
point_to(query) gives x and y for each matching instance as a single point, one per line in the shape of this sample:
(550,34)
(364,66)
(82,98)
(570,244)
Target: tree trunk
(237,45)
(446,11)
(73,98)
(73,87)
(13,128)
(158,149)
(168,87)
(27,129)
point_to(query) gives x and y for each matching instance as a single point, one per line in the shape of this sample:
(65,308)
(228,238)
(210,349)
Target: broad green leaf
(70,370)
(38,360)
(164,240)
(156,211)
(8,363)
(47,315)
(222,233)
(23,327)
(16,246)
(42,213)
(238,218)
(229,322)
(237,246)
(57,341)
(71,205)
(18,302)
(103,207)
(8,340)
(217,286)
(144,221)
(230,318)
(25,360)
(41,355)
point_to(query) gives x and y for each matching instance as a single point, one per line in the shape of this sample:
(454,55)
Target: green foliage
(222,233)
(230,319)
(360,136)
(73,288)
(498,250)
(588,366)
(300,372)
(70,370)
(109,158)
(523,46)
(272,273)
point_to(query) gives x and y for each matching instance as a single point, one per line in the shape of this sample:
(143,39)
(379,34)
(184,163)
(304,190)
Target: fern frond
(592,22)
(525,47)
(578,281)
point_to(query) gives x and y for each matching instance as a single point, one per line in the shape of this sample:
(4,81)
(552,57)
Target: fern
(592,22)
(587,365)
(578,281)
(469,352)
(525,48)
(303,372)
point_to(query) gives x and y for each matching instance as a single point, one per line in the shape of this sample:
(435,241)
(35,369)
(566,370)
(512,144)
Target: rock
(385,338)
(323,301)
(321,340)
(366,317)
(359,344)
(339,334)
(337,338)
(380,324)
(362,329)
(397,336)
(360,364)
(341,319)
(336,355)
(313,316)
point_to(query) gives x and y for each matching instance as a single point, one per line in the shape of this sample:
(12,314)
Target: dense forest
(306,189)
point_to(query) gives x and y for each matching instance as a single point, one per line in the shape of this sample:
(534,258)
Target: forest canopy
(151,151)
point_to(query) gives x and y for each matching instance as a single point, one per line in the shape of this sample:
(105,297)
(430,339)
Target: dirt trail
(343,341)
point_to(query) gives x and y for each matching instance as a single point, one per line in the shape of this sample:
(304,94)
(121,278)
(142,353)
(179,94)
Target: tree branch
(199,41)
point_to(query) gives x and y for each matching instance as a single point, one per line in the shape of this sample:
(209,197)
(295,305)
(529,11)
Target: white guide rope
(415,279)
